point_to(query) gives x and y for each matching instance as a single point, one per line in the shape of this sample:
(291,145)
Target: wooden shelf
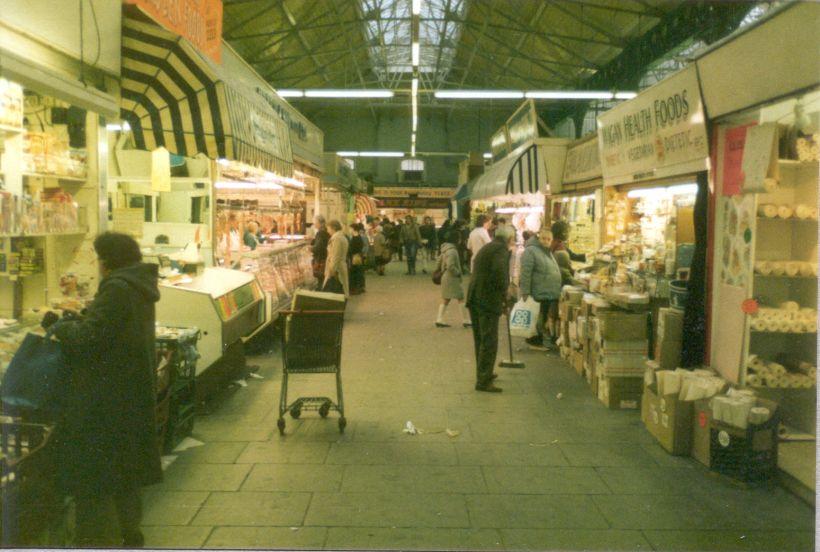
(64,178)
(795,163)
(46,234)
(761,332)
(7,129)
(784,277)
(790,219)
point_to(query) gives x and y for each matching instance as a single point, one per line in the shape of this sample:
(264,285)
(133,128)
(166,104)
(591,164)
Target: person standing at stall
(487,298)
(540,278)
(356,254)
(428,241)
(381,252)
(319,248)
(411,238)
(479,237)
(106,443)
(336,275)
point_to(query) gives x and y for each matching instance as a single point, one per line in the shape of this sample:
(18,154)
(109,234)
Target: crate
(180,349)
(748,455)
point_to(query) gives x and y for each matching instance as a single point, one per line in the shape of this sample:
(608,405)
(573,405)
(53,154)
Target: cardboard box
(669,420)
(670,325)
(749,454)
(618,392)
(577,358)
(667,354)
(622,326)
(701,431)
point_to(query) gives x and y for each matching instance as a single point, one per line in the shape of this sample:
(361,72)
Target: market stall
(578,199)
(764,226)
(420,202)
(339,184)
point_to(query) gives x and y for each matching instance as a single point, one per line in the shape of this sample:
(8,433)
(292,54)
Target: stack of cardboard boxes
(619,346)
(669,338)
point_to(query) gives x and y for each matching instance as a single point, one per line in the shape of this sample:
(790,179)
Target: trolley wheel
(342,424)
(324,409)
(280,423)
(295,412)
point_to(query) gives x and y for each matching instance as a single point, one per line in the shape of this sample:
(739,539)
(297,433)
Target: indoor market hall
(543,465)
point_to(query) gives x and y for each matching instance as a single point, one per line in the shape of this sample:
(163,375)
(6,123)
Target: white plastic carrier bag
(524,318)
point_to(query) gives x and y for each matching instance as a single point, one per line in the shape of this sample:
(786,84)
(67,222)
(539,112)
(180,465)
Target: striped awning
(525,173)
(365,205)
(174,97)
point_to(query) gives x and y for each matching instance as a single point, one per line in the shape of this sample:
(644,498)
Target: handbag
(356,259)
(438,273)
(38,375)
(333,285)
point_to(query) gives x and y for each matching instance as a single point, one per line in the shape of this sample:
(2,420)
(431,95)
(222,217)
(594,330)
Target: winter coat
(320,245)
(108,438)
(379,245)
(564,259)
(428,232)
(336,264)
(540,275)
(491,278)
(450,264)
(410,234)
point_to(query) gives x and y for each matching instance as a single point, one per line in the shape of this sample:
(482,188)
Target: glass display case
(226,305)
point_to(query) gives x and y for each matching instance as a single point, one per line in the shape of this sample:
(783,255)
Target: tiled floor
(526,471)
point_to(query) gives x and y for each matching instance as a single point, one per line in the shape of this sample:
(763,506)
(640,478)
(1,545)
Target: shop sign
(583,162)
(198,21)
(128,221)
(732,167)
(255,124)
(500,144)
(522,126)
(413,203)
(660,133)
(408,192)
(306,140)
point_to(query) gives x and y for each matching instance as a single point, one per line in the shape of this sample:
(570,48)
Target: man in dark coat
(487,299)
(319,249)
(107,445)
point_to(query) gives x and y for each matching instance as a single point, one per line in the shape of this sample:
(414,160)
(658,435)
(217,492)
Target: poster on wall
(522,126)
(198,21)
(735,260)
(759,157)
(660,133)
(732,168)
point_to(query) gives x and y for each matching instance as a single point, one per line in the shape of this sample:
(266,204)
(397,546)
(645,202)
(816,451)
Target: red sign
(198,21)
(733,144)
(749,306)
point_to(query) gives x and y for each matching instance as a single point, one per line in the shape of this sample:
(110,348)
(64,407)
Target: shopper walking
(411,238)
(428,241)
(479,237)
(319,248)
(106,445)
(487,298)
(336,275)
(381,251)
(540,279)
(441,233)
(451,283)
(356,254)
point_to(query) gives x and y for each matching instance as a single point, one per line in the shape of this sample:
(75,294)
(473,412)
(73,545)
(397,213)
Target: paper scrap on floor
(187,443)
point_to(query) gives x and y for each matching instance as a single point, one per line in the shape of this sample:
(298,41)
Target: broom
(511,363)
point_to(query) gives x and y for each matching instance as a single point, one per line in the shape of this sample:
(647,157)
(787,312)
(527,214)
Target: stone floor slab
(510,454)
(370,538)
(409,452)
(267,538)
(165,536)
(253,508)
(387,510)
(613,454)
(214,452)
(543,480)
(278,451)
(294,477)
(205,477)
(171,507)
(413,479)
(574,539)
(510,511)
(797,541)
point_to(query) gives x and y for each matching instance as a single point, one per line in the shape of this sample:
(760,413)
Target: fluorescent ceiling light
(361,93)
(347,153)
(413,138)
(290,93)
(625,95)
(479,94)
(488,155)
(413,150)
(414,87)
(568,95)
(117,127)
(416,51)
(681,189)
(506,210)
(222,161)
(416,7)
(381,154)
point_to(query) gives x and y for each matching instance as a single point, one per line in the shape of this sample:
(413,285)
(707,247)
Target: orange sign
(198,21)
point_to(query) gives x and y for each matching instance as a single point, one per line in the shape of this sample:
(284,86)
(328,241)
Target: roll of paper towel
(759,415)
(763,267)
(753,380)
(791,306)
(802,211)
(778,268)
(792,268)
(784,211)
(770,184)
(806,269)
(767,210)
(759,324)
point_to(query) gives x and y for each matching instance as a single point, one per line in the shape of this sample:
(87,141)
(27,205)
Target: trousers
(411,249)
(109,521)
(485,338)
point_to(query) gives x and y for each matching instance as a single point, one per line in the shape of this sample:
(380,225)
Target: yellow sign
(160,170)
(128,221)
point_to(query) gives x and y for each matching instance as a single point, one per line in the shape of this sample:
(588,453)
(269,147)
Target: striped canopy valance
(525,173)
(172,96)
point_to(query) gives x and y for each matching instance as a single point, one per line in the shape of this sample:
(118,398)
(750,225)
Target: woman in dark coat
(356,256)
(107,445)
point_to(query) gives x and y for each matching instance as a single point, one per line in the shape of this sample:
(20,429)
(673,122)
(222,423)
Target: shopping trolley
(311,344)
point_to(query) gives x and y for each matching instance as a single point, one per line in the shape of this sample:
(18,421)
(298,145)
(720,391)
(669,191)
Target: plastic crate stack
(178,345)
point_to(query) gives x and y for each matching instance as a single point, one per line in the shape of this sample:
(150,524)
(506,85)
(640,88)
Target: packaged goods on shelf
(11,104)
(764,373)
(788,318)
